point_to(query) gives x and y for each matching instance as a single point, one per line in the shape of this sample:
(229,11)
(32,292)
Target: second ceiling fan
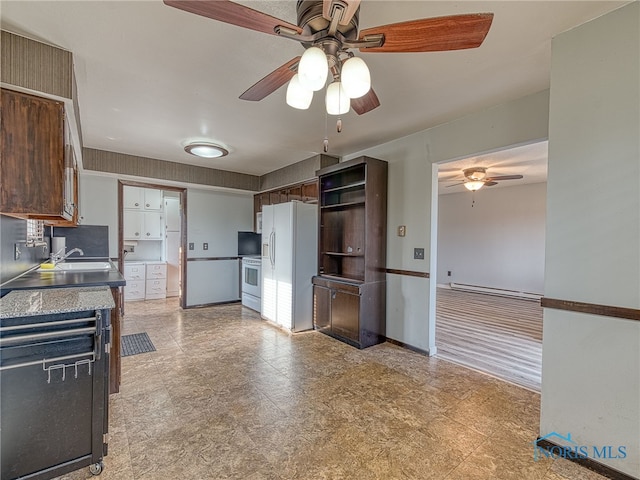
(328,30)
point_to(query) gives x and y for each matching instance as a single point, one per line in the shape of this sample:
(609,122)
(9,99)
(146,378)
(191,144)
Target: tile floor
(228,396)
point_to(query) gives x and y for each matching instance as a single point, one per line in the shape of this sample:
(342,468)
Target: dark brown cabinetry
(306,192)
(38,168)
(350,290)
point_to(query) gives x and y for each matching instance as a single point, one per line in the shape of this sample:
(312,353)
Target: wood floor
(497,335)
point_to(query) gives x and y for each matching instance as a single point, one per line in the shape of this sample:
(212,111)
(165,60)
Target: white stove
(251,278)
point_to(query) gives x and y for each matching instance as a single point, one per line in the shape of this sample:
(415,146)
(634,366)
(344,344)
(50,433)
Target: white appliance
(289,260)
(251,281)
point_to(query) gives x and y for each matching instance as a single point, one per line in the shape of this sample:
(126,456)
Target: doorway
(489,268)
(164,239)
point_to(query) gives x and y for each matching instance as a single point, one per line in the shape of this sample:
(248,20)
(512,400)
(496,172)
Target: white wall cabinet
(139,225)
(138,198)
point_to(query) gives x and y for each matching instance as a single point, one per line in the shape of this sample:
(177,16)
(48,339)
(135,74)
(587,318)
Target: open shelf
(351,186)
(342,205)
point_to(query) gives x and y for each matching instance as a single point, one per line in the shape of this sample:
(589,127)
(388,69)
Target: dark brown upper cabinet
(37,166)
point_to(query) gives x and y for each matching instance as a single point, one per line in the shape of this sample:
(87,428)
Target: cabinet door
(32,156)
(152,199)
(132,197)
(132,225)
(321,307)
(152,226)
(345,314)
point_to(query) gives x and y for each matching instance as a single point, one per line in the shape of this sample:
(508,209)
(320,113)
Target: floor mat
(136,343)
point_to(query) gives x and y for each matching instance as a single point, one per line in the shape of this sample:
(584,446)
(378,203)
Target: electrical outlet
(402,230)
(192,246)
(205,246)
(418,253)
(448,273)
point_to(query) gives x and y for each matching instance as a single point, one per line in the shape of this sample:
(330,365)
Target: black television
(248,243)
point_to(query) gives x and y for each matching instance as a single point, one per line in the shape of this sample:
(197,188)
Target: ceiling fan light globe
(355,77)
(336,100)
(313,69)
(298,96)
(474,186)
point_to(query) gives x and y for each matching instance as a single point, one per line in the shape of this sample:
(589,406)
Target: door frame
(183,229)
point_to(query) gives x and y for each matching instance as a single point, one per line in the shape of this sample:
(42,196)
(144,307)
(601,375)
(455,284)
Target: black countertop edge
(35,279)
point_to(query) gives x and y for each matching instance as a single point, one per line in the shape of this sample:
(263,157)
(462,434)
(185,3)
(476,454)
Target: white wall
(215,218)
(498,242)
(591,364)
(99,205)
(410,193)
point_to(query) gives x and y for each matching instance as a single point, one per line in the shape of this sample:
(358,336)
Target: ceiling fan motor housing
(311,20)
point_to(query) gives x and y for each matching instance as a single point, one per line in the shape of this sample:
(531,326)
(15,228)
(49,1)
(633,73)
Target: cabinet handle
(137,204)
(137,234)
(148,234)
(147,205)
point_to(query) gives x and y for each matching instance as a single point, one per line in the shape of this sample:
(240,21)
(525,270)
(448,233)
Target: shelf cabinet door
(345,314)
(152,226)
(132,198)
(321,308)
(132,225)
(32,160)
(152,199)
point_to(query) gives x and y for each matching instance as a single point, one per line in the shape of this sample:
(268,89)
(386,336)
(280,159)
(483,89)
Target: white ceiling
(152,78)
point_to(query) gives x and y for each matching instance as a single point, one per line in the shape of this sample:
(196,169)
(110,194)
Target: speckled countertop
(47,301)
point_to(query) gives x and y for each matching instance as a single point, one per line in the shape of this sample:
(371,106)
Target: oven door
(251,279)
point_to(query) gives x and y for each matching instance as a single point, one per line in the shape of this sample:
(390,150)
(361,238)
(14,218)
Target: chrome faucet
(59,256)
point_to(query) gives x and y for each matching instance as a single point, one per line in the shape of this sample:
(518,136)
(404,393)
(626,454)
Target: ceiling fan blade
(455,184)
(454,32)
(504,177)
(349,7)
(490,183)
(365,103)
(272,82)
(233,13)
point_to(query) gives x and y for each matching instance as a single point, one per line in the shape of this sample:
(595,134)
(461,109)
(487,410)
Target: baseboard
(411,347)
(588,463)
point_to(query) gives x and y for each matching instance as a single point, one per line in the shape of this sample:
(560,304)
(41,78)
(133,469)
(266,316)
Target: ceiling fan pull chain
(339,125)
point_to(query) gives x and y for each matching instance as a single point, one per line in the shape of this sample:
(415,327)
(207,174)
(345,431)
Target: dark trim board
(408,273)
(591,308)
(408,347)
(588,463)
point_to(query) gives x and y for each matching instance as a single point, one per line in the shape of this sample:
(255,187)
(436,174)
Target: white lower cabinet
(145,280)
(134,274)
(156,275)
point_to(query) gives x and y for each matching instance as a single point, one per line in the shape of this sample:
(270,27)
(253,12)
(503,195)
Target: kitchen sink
(78,267)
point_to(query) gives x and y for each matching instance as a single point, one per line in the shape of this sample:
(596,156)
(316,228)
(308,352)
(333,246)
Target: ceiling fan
(476,178)
(332,27)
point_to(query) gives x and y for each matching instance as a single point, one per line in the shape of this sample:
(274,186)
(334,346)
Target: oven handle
(34,337)
(46,324)
(44,361)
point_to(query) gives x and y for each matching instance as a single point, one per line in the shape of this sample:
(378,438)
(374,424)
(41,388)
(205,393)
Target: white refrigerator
(289,260)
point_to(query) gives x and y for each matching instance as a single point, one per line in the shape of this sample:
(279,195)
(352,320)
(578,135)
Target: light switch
(402,230)
(191,246)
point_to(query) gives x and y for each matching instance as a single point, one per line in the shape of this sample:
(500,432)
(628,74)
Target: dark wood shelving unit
(350,288)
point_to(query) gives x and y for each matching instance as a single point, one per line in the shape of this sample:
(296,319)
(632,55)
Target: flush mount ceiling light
(206,150)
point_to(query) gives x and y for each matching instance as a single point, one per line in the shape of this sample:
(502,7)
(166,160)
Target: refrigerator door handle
(272,254)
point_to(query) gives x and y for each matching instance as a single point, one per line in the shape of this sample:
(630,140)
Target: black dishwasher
(54,377)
